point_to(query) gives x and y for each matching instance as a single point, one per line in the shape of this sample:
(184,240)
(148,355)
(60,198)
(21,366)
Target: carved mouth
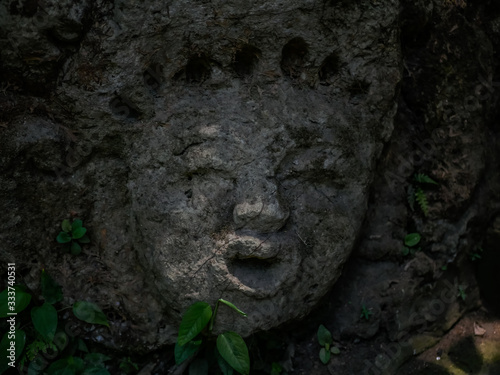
(258,266)
(256,273)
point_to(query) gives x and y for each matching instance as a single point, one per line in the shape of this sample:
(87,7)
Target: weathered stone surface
(212,149)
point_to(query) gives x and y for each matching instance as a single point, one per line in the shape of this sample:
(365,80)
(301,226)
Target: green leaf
(19,340)
(412,239)
(22,300)
(63,237)
(89,312)
(194,320)
(424,179)
(60,340)
(75,248)
(76,224)
(234,350)
(422,201)
(51,291)
(96,359)
(84,239)
(96,371)
(324,355)
(66,366)
(82,346)
(198,367)
(227,303)
(335,350)
(324,336)
(186,351)
(66,225)
(405,251)
(224,366)
(45,320)
(78,233)
(276,368)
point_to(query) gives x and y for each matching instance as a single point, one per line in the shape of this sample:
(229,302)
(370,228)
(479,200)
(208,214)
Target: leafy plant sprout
(196,325)
(461,292)
(365,312)
(476,255)
(416,193)
(73,235)
(39,332)
(411,240)
(325,340)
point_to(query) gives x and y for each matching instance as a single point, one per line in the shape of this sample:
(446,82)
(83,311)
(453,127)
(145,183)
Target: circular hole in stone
(245,59)
(293,56)
(153,76)
(329,68)
(198,68)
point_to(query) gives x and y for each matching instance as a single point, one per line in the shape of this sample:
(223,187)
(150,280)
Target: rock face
(220,149)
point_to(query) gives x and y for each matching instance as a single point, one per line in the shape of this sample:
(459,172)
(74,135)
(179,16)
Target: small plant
(42,333)
(461,292)
(196,330)
(365,313)
(411,240)
(128,366)
(476,255)
(325,340)
(73,235)
(416,193)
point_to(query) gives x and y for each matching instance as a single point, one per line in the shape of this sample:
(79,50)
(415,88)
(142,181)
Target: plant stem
(212,319)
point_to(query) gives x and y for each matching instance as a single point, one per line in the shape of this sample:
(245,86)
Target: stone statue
(213,150)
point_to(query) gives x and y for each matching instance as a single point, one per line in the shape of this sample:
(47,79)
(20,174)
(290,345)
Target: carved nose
(260,208)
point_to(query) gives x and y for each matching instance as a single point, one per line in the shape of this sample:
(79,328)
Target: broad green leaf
(84,239)
(194,320)
(66,225)
(38,364)
(96,359)
(19,340)
(63,237)
(64,366)
(234,350)
(96,371)
(51,291)
(75,248)
(186,351)
(224,366)
(76,224)
(276,368)
(324,355)
(232,306)
(89,312)
(198,367)
(22,300)
(78,233)
(82,346)
(335,350)
(324,336)
(45,320)
(60,340)
(412,239)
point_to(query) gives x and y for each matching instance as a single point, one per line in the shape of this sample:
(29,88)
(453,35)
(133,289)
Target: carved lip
(258,266)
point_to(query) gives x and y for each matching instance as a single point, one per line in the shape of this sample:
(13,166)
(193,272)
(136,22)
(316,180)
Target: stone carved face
(253,188)
(260,207)
(242,172)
